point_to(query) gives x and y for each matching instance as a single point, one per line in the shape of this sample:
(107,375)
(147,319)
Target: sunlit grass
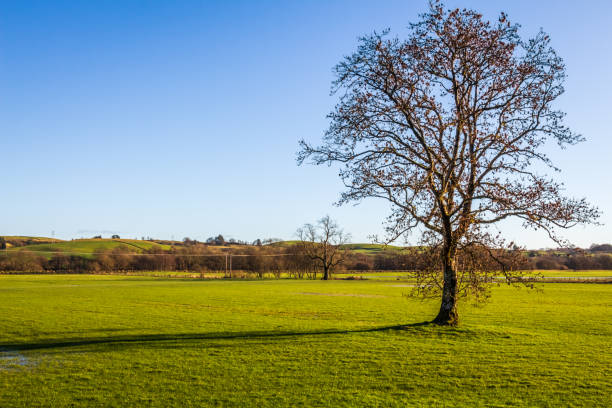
(125,341)
(402,275)
(87,247)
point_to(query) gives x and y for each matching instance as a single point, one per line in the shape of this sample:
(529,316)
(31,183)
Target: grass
(91,246)
(12,240)
(406,275)
(132,341)
(578,273)
(26,238)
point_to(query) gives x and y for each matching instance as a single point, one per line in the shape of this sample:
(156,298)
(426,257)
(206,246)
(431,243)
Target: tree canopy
(322,244)
(449,125)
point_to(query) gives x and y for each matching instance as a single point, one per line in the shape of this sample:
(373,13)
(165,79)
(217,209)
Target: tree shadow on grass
(174,337)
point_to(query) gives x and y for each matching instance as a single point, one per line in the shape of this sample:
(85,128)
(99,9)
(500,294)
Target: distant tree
(219,240)
(361,266)
(578,262)
(105,262)
(448,126)
(604,261)
(549,263)
(2,243)
(21,262)
(298,264)
(115,236)
(121,258)
(601,248)
(268,241)
(257,242)
(59,263)
(97,237)
(255,262)
(322,242)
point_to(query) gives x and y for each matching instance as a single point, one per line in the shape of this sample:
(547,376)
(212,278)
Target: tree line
(271,260)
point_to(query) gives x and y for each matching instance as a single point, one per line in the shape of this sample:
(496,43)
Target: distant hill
(41,254)
(372,248)
(368,249)
(18,241)
(87,247)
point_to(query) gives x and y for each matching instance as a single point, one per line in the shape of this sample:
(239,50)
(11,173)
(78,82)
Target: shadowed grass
(61,343)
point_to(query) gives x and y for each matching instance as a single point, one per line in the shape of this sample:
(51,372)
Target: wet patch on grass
(11,360)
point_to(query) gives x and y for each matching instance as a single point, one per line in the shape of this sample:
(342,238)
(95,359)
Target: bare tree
(322,243)
(448,125)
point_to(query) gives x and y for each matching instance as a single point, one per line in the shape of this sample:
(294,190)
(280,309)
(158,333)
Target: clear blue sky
(181,118)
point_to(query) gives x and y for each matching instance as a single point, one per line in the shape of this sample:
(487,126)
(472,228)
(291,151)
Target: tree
(322,243)
(601,248)
(448,125)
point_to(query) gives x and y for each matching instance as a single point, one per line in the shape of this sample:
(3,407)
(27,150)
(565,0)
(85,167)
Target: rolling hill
(368,249)
(88,247)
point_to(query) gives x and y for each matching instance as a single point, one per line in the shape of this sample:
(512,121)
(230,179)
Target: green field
(87,247)
(135,341)
(571,273)
(406,275)
(31,239)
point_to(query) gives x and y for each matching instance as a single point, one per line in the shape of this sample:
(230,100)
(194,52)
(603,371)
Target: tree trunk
(325,273)
(448,316)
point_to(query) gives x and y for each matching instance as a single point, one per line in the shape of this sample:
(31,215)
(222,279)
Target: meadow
(88,247)
(85,340)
